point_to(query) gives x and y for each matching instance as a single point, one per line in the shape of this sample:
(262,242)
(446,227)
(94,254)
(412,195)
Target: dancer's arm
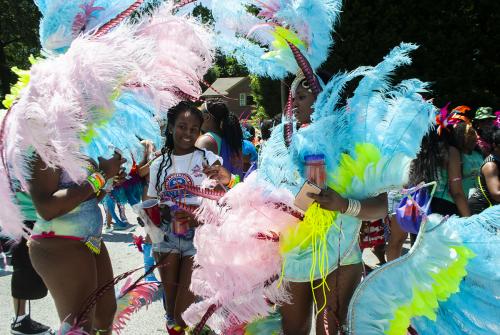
(371,209)
(143,166)
(50,200)
(218,173)
(491,174)
(207,142)
(455,182)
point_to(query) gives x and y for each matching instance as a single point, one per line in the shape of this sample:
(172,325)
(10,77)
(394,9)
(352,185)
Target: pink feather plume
(236,269)
(67,94)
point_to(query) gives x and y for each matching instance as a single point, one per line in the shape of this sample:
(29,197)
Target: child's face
(186,131)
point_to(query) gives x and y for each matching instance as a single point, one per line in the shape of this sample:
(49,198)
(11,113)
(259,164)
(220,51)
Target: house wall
(234,102)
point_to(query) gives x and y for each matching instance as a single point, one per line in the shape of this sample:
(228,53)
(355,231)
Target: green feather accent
(22,83)
(101,117)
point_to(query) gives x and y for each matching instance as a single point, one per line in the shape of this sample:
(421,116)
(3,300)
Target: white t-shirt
(184,170)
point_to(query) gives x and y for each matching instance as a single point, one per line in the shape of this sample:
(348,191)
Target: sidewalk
(124,257)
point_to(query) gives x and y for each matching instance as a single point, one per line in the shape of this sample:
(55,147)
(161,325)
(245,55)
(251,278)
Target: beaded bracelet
(235,179)
(91,169)
(96,181)
(354,208)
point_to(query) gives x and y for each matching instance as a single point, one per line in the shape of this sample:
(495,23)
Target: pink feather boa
(235,270)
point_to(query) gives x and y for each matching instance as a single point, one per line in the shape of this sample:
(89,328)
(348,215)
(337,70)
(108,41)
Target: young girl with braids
(222,135)
(181,163)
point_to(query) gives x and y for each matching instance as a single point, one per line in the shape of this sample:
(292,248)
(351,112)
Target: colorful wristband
(235,179)
(91,169)
(96,181)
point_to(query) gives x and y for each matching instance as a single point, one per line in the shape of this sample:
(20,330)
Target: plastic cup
(179,228)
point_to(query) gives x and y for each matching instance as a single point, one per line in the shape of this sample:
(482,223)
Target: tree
(267,103)
(459,44)
(19,22)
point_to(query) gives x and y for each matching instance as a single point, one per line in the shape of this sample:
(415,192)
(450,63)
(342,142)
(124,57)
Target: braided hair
(434,152)
(229,124)
(431,157)
(168,148)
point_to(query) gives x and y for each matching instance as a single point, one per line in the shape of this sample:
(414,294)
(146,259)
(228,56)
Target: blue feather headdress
(62,20)
(386,120)
(257,32)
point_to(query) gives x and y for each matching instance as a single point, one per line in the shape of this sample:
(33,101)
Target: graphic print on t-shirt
(172,187)
(197,171)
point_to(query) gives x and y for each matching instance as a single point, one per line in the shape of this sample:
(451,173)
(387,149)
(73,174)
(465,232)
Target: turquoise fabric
(471,165)
(470,170)
(26,205)
(298,262)
(249,150)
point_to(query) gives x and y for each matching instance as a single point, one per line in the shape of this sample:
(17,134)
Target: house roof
(222,86)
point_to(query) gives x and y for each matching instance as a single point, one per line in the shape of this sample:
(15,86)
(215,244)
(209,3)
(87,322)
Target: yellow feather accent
(354,166)
(425,302)
(22,83)
(280,45)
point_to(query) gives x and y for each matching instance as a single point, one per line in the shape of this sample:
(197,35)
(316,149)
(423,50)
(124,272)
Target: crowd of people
(461,157)
(253,228)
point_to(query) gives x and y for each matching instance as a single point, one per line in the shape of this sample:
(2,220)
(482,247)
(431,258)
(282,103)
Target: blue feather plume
(134,113)
(248,38)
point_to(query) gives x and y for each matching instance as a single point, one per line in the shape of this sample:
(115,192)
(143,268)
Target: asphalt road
(124,257)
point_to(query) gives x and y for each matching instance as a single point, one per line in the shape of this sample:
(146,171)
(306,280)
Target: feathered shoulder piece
(103,93)
(257,32)
(448,285)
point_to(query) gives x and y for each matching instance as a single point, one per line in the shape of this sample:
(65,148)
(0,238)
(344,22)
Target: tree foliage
(267,103)
(19,22)
(459,46)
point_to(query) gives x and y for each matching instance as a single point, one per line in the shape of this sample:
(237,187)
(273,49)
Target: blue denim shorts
(172,243)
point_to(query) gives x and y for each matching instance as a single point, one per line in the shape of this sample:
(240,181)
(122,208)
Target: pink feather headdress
(164,57)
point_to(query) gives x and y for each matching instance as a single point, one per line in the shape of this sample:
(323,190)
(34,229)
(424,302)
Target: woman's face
(302,104)
(185,132)
(207,121)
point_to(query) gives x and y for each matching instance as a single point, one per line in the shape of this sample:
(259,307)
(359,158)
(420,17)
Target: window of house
(250,101)
(243,99)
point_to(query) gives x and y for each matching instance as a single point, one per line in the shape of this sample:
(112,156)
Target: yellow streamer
(312,232)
